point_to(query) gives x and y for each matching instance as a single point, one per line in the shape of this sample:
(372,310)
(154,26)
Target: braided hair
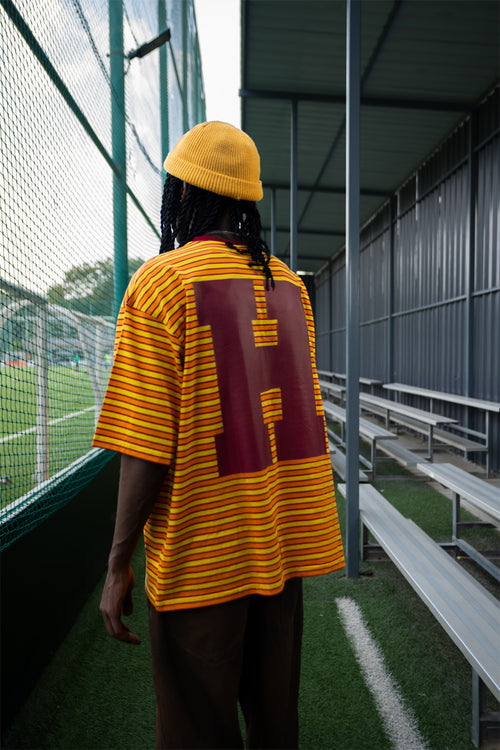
(188,211)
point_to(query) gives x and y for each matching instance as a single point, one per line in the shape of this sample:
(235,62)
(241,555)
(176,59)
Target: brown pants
(206,659)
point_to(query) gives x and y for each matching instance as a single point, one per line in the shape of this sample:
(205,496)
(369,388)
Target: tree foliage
(88,288)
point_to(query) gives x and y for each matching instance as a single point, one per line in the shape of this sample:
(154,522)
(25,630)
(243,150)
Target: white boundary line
(52,422)
(399,721)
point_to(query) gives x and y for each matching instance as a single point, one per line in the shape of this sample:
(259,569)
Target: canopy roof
(424,67)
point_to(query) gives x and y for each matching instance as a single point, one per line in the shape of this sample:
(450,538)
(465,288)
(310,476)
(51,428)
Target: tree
(88,288)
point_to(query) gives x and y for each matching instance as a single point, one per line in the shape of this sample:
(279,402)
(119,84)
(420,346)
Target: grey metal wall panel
(433,295)
(487,346)
(338,352)
(374,279)
(487,270)
(323,316)
(373,346)
(428,351)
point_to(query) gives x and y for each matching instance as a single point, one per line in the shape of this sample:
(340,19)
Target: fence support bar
(116,56)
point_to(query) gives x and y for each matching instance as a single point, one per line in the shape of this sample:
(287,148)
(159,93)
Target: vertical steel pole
(185,110)
(273,220)
(162,25)
(331,321)
(390,301)
(293,185)
(352,285)
(118,137)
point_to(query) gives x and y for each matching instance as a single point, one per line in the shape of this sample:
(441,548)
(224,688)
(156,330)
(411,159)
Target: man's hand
(140,484)
(117,600)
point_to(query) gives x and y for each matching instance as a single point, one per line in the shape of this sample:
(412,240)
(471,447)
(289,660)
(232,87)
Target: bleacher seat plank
(484,496)
(338,460)
(337,391)
(457,441)
(464,445)
(481,495)
(469,614)
(368,431)
(401,454)
(435,395)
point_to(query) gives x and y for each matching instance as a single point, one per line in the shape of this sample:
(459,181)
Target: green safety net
(58,258)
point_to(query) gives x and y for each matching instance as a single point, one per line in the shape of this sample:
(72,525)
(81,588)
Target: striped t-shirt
(214,375)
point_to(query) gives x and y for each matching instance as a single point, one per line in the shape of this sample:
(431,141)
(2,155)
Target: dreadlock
(198,211)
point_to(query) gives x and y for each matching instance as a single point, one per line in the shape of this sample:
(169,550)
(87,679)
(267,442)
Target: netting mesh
(58,258)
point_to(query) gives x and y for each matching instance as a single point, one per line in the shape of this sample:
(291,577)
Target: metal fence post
(119,150)
(42,404)
(185,109)
(162,25)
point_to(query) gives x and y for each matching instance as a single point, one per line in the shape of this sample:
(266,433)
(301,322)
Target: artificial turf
(97,694)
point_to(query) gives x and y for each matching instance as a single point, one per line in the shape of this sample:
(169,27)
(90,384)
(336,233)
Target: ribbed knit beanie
(220,158)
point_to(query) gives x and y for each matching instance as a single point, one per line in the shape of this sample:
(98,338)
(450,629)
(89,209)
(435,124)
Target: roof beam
(366,101)
(331,189)
(303,259)
(319,232)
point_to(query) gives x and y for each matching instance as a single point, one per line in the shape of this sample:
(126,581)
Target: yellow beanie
(220,158)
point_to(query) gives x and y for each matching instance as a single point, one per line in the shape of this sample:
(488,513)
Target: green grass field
(69,392)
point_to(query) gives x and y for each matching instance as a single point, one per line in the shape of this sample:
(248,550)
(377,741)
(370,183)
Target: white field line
(52,422)
(399,721)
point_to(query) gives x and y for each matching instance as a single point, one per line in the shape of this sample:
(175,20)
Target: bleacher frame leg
(484,726)
(364,541)
(456,515)
(477,707)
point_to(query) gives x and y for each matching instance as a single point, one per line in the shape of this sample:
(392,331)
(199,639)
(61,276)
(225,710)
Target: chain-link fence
(64,238)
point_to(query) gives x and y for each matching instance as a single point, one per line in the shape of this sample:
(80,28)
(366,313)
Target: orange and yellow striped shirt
(214,375)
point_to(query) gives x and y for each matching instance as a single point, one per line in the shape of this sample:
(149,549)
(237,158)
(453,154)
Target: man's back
(237,413)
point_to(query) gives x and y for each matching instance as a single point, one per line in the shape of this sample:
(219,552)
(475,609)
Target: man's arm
(140,483)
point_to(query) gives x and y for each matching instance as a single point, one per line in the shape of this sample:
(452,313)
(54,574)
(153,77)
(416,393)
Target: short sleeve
(140,411)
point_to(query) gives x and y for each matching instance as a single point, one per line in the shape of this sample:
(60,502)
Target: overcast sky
(218,24)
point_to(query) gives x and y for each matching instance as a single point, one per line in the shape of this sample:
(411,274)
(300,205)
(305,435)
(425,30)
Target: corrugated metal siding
(427,350)
(338,293)
(430,294)
(487,346)
(373,348)
(487,270)
(322,319)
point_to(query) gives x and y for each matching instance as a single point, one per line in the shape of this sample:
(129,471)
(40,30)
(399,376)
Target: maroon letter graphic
(245,370)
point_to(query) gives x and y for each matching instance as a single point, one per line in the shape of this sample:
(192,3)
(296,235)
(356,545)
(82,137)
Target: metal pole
(293,187)
(42,406)
(390,312)
(185,111)
(273,220)
(162,25)
(330,307)
(352,285)
(118,137)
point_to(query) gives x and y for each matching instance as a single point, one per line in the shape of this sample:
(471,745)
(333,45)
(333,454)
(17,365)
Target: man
(214,402)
